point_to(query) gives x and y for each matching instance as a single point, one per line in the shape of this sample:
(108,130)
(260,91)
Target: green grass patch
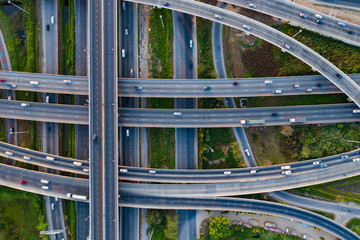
(244,233)
(205,65)
(162,147)
(71,218)
(161,43)
(68,38)
(325,214)
(354,225)
(22,215)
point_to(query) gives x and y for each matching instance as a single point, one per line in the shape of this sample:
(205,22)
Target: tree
(171,228)
(154,217)
(287,131)
(219,228)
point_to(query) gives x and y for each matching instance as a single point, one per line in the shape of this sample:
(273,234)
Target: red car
(2,80)
(22,181)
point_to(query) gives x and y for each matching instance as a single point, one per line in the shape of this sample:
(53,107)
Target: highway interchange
(103,150)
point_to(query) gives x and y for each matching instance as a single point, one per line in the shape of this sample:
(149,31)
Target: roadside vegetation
(20,35)
(162,140)
(220,228)
(70,218)
(354,225)
(163,224)
(22,215)
(68,37)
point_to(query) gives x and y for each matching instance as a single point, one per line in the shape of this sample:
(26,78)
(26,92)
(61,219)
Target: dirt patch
(347,14)
(204,226)
(144,40)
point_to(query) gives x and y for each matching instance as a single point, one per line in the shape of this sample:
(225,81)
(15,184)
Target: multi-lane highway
(288,44)
(291,11)
(266,116)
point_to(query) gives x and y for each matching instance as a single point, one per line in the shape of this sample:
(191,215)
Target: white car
(246,27)
(277,91)
(302,15)
(288,172)
(52,19)
(341,24)
(253,171)
(316,162)
(152,171)
(285,45)
(52,206)
(252,5)
(9,153)
(127,132)
(26,158)
(123,170)
(45,187)
(286,167)
(123,53)
(218,16)
(25,105)
(268,81)
(67,81)
(356,159)
(191,43)
(47,99)
(318,16)
(177,113)
(34,82)
(356,111)
(227,172)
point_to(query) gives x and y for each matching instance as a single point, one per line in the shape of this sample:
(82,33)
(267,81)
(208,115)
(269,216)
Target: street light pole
(297,33)
(18,7)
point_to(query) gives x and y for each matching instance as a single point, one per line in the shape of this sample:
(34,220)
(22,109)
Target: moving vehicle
(166,4)
(77,163)
(126,31)
(123,170)
(236,83)
(318,85)
(127,132)
(47,99)
(11,85)
(270,224)
(123,6)
(138,87)
(76,196)
(191,43)
(306,237)
(302,15)
(52,206)
(22,181)
(319,21)
(253,171)
(152,171)
(277,91)
(47,27)
(275,114)
(356,159)
(356,110)
(288,172)
(132,72)
(94,137)
(349,31)
(67,81)
(247,152)
(44,181)
(344,156)
(297,119)
(26,158)
(268,81)
(52,19)
(308,90)
(9,97)
(296,85)
(85,169)
(316,162)
(123,53)
(290,231)
(227,172)
(45,187)
(286,167)
(25,105)
(341,24)
(318,16)
(177,113)
(50,158)
(218,16)
(252,5)
(285,45)
(323,165)
(246,27)
(338,75)
(206,88)
(9,153)
(2,80)
(253,121)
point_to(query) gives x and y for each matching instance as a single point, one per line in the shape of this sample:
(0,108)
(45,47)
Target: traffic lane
(129,222)
(187,224)
(238,204)
(186,140)
(129,146)
(82,220)
(81,37)
(283,182)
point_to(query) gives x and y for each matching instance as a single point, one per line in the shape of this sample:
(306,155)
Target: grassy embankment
(162,140)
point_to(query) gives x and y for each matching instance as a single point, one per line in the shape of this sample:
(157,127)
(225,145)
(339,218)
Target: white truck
(270,224)
(75,196)
(297,119)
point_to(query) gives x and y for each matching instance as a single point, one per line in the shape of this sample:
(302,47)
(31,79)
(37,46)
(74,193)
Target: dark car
(275,114)
(206,88)
(349,31)
(338,75)
(319,22)
(190,64)
(47,27)
(166,4)
(319,85)
(2,80)
(236,83)
(324,165)
(357,153)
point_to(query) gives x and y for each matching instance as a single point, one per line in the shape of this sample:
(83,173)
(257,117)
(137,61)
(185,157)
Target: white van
(45,187)
(50,158)
(34,82)
(44,181)
(286,167)
(77,163)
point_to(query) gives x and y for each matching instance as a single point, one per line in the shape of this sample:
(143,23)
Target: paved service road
(327,69)
(290,11)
